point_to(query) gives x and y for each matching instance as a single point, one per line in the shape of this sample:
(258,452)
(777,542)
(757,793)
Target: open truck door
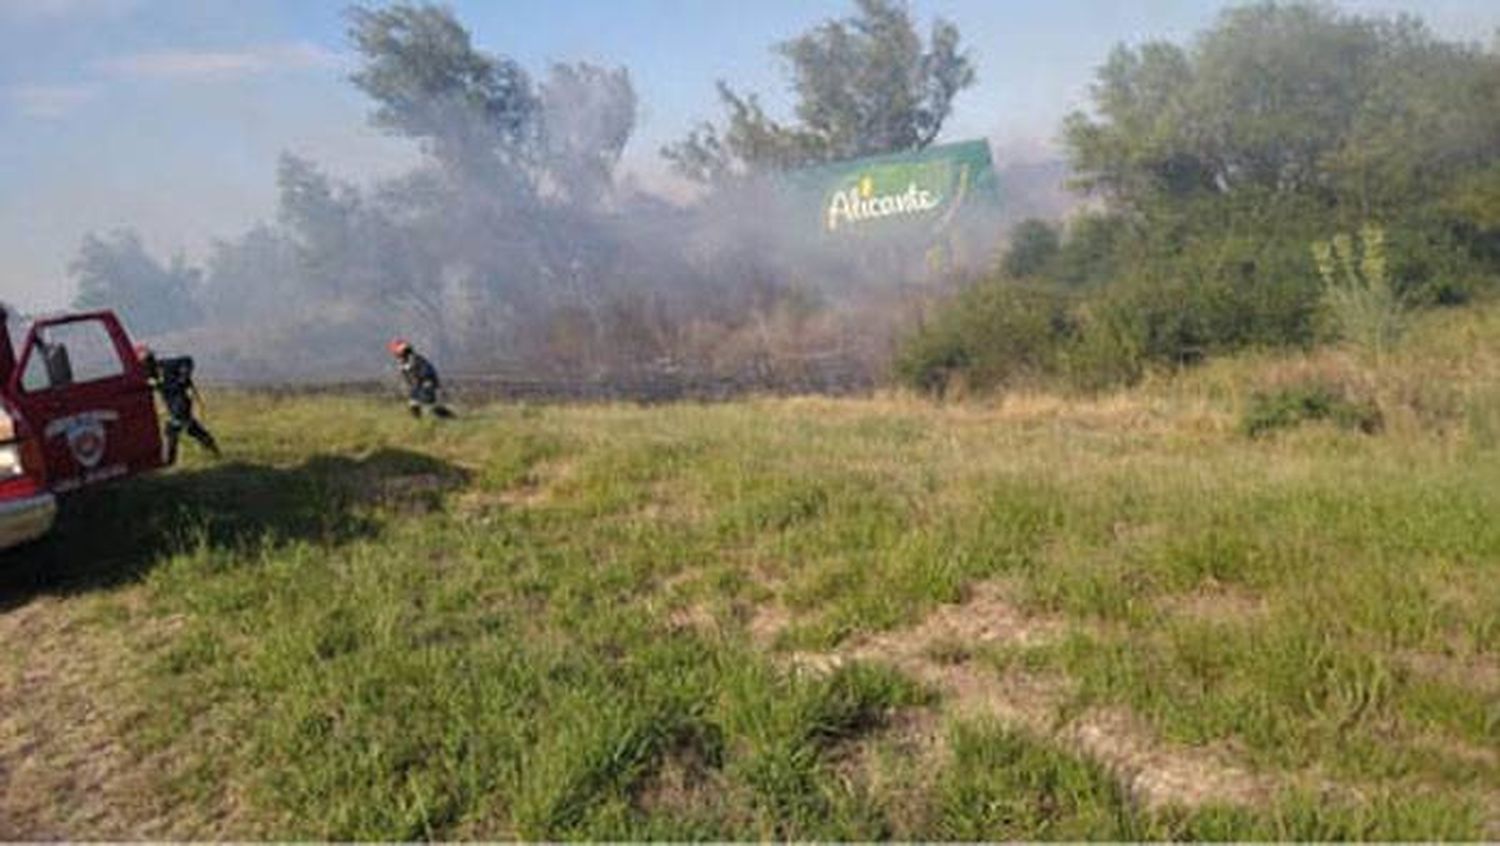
(78,382)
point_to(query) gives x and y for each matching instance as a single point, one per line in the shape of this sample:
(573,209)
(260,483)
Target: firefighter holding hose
(421,380)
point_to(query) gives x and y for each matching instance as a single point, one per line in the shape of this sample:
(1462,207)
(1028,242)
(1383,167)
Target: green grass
(543,622)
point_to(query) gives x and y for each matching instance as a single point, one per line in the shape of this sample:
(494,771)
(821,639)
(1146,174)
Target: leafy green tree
(1429,122)
(1133,149)
(473,112)
(115,272)
(1281,98)
(1283,122)
(865,84)
(1093,252)
(1476,201)
(481,117)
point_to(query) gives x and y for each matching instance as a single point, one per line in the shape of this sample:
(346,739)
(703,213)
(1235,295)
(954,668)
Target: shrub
(1090,255)
(994,334)
(1108,351)
(1033,247)
(1125,293)
(1294,405)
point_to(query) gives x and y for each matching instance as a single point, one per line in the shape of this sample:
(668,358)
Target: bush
(1090,256)
(996,333)
(1294,405)
(1173,286)
(1033,247)
(1107,351)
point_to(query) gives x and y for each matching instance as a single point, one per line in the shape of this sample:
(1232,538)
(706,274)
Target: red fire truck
(75,410)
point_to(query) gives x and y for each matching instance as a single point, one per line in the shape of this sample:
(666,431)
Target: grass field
(1024,618)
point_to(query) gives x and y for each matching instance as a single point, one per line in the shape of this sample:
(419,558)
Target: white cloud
(206,65)
(49,102)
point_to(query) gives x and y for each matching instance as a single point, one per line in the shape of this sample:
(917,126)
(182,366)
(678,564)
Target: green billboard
(922,194)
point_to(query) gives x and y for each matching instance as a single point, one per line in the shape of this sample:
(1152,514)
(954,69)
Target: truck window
(70,354)
(35,377)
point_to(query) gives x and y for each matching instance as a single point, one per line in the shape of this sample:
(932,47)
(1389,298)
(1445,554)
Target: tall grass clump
(1358,292)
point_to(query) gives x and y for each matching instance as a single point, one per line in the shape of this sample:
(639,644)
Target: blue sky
(168,115)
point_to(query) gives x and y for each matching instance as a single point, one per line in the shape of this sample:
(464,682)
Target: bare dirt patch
(693,616)
(767,622)
(1157,773)
(543,481)
(1473,672)
(986,617)
(529,494)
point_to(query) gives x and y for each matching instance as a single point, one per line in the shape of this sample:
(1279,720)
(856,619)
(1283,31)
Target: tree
(588,115)
(1429,123)
(1295,121)
(505,219)
(473,112)
(1134,148)
(1283,98)
(481,117)
(252,278)
(1477,200)
(1092,253)
(865,84)
(350,249)
(116,272)
(319,219)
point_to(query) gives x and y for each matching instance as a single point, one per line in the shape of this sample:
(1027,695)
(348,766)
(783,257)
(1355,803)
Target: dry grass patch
(1215,603)
(67,704)
(540,484)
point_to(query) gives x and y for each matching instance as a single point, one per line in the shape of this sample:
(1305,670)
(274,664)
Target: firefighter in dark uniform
(173,380)
(421,380)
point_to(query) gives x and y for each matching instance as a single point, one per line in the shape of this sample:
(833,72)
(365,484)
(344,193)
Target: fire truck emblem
(85,435)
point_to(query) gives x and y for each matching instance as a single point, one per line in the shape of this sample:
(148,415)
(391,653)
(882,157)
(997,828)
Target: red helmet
(399,347)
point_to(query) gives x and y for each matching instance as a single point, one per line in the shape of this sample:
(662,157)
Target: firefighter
(173,380)
(421,380)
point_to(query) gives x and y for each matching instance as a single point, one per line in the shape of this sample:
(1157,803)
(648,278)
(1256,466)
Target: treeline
(513,234)
(517,241)
(1213,170)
